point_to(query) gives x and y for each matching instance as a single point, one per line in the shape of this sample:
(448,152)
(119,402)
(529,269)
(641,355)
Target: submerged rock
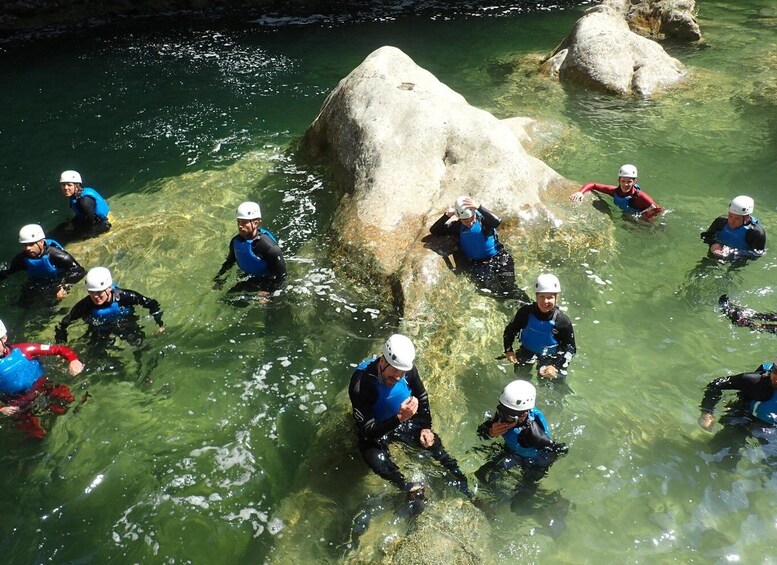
(602,52)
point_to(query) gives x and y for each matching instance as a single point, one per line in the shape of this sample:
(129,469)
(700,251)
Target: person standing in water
(545,332)
(737,234)
(255,250)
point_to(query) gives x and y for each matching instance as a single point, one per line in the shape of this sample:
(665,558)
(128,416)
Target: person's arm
(645,204)
(581,192)
(424,413)
(16,265)
(88,207)
(533,435)
(265,248)
(131,298)
(515,326)
(363,394)
(69,270)
(78,312)
(744,382)
(755,238)
(488,218)
(709,236)
(228,263)
(442,227)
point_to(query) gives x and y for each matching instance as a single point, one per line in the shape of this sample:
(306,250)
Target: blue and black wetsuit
(528,444)
(90,213)
(489,263)
(548,337)
(116,315)
(260,257)
(53,269)
(375,408)
(749,240)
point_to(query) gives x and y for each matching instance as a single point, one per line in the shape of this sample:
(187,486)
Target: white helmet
(3,331)
(741,206)
(31,233)
(249,211)
(547,283)
(399,351)
(98,279)
(628,171)
(518,395)
(70,176)
(463,213)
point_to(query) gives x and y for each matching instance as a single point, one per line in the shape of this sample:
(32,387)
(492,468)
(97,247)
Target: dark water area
(227,439)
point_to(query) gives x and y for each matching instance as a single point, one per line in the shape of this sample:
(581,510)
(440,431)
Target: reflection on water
(228,438)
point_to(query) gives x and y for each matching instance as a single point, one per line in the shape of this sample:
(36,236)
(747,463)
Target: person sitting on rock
(390,403)
(628,196)
(737,234)
(47,264)
(22,383)
(490,264)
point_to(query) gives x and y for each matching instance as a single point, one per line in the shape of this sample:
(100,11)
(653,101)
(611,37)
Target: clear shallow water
(212,443)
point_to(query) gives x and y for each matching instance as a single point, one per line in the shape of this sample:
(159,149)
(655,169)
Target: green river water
(227,439)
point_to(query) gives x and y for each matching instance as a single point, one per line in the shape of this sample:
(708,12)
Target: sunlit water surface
(212,443)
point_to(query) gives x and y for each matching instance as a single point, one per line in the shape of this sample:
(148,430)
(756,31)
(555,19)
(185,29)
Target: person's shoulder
(562,316)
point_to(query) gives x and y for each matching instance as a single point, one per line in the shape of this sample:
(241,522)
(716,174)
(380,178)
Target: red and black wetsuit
(636,199)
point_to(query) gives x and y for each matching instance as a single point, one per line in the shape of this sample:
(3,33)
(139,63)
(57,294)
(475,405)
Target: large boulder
(601,51)
(402,146)
(660,19)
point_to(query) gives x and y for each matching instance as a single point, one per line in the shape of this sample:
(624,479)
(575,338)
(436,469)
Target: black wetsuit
(562,332)
(495,274)
(68,269)
(125,324)
(375,436)
(750,386)
(264,248)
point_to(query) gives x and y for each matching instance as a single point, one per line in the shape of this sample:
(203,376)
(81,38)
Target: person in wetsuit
(628,196)
(489,263)
(526,436)
(747,317)
(544,331)
(47,264)
(90,209)
(737,234)
(109,309)
(24,390)
(390,403)
(255,250)
(757,390)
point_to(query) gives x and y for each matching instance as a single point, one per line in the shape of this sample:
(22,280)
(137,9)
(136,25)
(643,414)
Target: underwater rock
(402,146)
(601,51)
